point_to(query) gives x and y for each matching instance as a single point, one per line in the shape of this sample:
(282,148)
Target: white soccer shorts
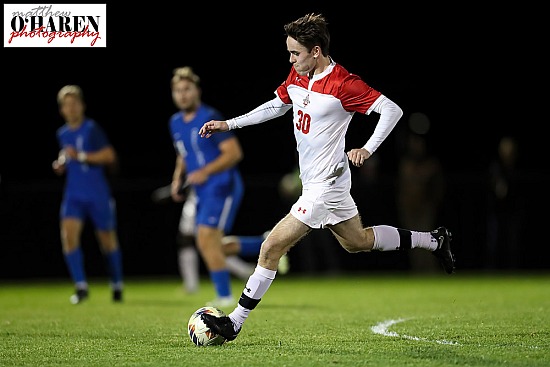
(326,204)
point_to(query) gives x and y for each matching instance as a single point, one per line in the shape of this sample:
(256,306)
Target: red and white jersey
(323,107)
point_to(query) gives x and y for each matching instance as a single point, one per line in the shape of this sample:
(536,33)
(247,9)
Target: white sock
(238,267)
(387,238)
(238,316)
(188,262)
(81,285)
(256,287)
(424,240)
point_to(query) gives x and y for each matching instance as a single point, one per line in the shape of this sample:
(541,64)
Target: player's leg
(236,246)
(104,218)
(188,262)
(215,217)
(71,225)
(344,221)
(308,212)
(233,246)
(110,249)
(355,238)
(209,245)
(242,245)
(188,258)
(283,236)
(240,268)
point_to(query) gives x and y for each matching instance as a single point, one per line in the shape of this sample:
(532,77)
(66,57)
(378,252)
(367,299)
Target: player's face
(186,95)
(72,109)
(302,60)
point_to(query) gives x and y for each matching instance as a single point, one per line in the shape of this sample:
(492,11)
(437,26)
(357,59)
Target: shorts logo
(302,210)
(55,25)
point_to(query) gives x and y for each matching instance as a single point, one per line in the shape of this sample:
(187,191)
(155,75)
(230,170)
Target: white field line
(382,329)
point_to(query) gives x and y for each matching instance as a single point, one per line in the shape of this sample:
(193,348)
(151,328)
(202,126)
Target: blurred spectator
(506,207)
(420,191)
(374,192)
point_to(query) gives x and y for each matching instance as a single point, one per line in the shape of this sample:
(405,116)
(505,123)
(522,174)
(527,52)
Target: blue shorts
(101,211)
(220,209)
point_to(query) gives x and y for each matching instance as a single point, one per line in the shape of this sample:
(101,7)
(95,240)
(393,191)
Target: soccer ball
(199,333)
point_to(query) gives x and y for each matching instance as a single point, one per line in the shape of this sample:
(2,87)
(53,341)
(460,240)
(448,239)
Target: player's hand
(70,152)
(58,165)
(358,156)
(175,192)
(212,127)
(197,177)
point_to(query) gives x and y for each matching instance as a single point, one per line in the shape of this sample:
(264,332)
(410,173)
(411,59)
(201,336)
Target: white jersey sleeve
(267,111)
(390,113)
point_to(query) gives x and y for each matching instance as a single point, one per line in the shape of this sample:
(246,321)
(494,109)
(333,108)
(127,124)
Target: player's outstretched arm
(213,126)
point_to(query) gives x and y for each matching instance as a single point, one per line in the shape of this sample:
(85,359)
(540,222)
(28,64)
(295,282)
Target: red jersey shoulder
(354,93)
(339,82)
(332,82)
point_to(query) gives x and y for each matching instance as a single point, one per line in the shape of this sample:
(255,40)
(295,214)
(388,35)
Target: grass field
(360,320)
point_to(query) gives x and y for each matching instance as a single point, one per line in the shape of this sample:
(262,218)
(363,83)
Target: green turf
(458,320)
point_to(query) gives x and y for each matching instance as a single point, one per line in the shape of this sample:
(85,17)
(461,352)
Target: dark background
(474,74)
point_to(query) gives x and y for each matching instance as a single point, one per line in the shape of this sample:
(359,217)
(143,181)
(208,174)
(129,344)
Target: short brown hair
(310,30)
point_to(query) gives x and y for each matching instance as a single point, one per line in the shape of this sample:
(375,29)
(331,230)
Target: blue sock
(114,262)
(250,245)
(221,281)
(75,264)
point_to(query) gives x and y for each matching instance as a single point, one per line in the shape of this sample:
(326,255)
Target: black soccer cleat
(220,325)
(117,295)
(79,296)
(443,252)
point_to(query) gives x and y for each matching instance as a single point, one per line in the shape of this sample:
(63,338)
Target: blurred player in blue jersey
(209,166)
(235,247)
(85,153)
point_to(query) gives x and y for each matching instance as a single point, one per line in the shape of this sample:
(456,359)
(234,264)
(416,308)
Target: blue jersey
(197,152)
(83,180)
(219,197)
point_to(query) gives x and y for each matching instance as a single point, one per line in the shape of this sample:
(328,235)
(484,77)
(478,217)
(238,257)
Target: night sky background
(475,74)
(463,69)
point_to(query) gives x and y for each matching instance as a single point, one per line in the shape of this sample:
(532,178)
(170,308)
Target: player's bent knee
(231,248)
(227,240)
(353,248)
